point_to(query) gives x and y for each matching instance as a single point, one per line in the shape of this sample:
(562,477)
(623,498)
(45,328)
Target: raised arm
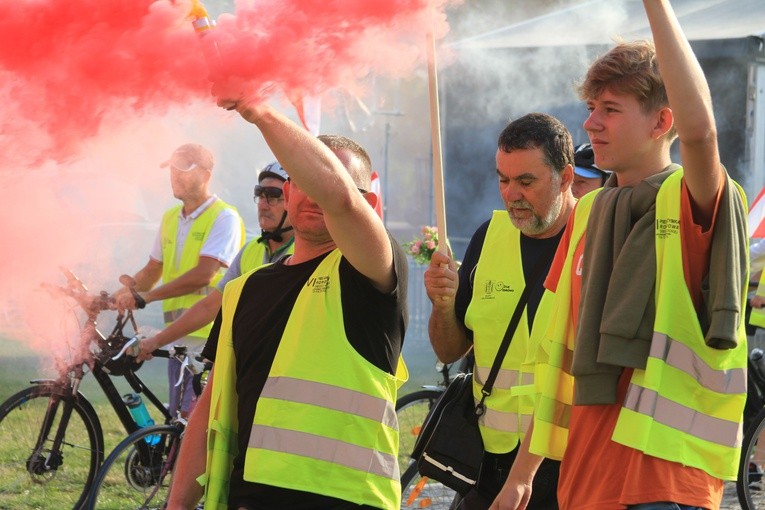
(354,226)
(691,104)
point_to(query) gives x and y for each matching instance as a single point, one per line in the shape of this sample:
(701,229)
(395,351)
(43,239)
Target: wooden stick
(435,128)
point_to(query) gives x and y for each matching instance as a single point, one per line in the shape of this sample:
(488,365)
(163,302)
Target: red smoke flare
(85,84)
(67,64)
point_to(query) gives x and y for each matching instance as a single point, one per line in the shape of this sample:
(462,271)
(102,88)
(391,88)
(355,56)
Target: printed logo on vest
(667,227)
(492,286)
(198,236)
(319,284)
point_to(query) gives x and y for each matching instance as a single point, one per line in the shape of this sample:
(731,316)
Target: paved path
(730,500)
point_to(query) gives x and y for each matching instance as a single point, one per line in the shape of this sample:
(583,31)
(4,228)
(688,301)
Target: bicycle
(420,491)
(750,486)
(51,438)
(136,473)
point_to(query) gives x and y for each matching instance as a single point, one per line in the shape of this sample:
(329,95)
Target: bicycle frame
(65,392)
(65,389)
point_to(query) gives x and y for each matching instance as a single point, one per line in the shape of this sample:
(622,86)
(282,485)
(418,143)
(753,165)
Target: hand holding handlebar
(146,348)
(130,300)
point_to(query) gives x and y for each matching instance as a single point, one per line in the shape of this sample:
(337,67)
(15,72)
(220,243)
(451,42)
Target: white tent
(599,21)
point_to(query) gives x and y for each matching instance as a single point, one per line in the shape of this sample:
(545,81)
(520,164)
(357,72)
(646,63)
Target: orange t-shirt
(598,473)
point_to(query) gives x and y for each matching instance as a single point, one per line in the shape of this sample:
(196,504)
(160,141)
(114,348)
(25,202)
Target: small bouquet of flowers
(421,249)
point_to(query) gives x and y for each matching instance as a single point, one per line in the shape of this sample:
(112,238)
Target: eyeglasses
(361,190)
(272,194)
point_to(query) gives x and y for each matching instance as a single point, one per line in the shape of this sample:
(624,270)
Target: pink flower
(421,249)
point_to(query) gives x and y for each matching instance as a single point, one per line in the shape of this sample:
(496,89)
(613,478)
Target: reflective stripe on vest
(675,415)
(325,449)
(325,409)
(505,378)
(686,406)
(331,397)
(198,233)
(498,283)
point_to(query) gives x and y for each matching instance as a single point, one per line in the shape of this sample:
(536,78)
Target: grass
(18,432)
(18,366)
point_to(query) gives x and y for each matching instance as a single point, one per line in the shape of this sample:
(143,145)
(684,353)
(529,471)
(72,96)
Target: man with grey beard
(472,306)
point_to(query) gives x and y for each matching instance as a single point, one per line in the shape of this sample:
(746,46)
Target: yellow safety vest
(255,253)
(757,317)
(324,408)
(686,406)
(553,381)
(497,285)
(198,233)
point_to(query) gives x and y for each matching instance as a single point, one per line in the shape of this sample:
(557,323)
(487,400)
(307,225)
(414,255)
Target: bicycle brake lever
(132,347)
(196,367)
(184,366)
(72,280)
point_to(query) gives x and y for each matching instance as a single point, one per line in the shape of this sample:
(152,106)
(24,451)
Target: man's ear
(286,191)
(371,198)
(665,119)
(567,177)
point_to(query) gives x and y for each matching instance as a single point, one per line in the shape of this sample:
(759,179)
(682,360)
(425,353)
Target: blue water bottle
(140,414)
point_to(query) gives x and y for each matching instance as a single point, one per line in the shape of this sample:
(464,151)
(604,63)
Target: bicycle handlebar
(194,364)
(103,301)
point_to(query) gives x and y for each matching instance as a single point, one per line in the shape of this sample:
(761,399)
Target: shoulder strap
(509,333)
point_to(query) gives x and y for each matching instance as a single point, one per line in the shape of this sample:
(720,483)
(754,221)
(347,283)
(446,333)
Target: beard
(535,224)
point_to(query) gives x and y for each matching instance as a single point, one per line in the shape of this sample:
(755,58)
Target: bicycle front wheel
(750,484)
(417,491)
(34,474)
(137,472)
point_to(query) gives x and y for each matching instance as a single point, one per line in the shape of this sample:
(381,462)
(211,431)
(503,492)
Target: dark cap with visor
(584,163)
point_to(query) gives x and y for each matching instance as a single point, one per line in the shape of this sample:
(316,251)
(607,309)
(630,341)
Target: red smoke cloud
(68,64)
(86,88)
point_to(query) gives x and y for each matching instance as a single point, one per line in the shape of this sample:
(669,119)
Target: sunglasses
(182,168)
(271,194)
(361,190)
(181,163)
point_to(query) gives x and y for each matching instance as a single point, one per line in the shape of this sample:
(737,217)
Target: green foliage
(422,249)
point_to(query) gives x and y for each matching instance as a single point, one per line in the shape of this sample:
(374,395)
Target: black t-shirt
(374,324)
(533,251)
